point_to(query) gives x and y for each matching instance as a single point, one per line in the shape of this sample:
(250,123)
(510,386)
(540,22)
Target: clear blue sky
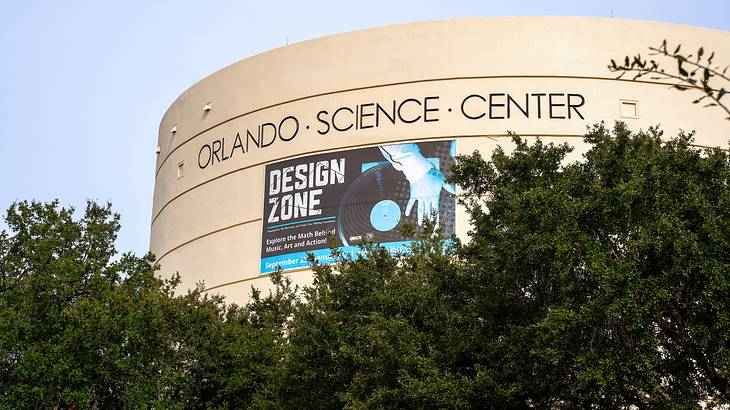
(84,84)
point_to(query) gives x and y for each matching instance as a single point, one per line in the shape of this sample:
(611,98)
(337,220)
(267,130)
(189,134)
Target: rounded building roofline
(612,20)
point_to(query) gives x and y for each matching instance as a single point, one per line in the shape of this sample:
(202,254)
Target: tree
(76,327)
(379,332)
(601,283)
(81,327)
(607,281)
(239,357)
(692,73)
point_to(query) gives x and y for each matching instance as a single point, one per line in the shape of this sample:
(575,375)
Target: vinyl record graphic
(385,215)
(373,207)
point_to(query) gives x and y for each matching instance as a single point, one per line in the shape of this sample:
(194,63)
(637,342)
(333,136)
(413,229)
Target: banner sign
(353,196)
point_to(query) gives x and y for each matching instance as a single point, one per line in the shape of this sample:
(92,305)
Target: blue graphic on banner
(299,259)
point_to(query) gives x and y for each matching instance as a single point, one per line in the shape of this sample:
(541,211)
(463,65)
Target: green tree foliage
(607,281)
(83,328)
(381,332)
(601,283)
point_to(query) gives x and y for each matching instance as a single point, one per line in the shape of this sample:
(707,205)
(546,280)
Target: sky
(84,84)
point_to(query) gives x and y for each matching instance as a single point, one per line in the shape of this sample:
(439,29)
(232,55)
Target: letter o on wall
(207,159)
(281,128)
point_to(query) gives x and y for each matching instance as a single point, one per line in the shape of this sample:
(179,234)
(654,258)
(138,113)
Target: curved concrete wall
(207,215)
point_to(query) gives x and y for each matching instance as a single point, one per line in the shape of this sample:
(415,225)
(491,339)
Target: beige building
(263,159)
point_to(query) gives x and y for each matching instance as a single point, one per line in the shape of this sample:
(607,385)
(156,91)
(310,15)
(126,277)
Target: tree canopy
(603,282)
(599,283)
(606,280)
(82,327)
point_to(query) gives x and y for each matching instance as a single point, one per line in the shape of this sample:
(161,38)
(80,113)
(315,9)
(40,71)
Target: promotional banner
(354,196)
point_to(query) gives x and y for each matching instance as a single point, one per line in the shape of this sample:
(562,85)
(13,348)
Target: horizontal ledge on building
(260,276)
(205,235)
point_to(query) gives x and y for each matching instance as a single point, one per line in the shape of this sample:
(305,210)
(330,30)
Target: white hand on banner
(427,191)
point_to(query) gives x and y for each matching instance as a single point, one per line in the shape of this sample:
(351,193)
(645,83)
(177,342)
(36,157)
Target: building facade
(348,136)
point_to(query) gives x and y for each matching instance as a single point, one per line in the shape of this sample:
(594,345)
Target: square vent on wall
(628,109)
